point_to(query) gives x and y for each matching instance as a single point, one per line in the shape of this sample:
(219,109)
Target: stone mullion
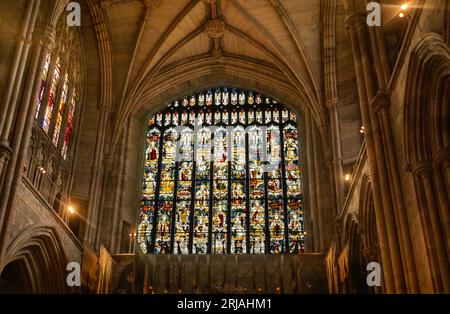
(368,134)
(247,188)
(229,199)
(175,192)
(192,207)
(211,193)
(162,130)
(283,180)
(266,180)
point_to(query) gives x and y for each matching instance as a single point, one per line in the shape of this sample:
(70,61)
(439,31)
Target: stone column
(312,195)
(96,175)
(385,247)
(337,152)
(431,222)
(381,106)
(10,100)
(44,42)
(441,171)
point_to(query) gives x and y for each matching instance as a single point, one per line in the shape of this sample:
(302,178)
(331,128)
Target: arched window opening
(57,96)
(222,175)
(57,104)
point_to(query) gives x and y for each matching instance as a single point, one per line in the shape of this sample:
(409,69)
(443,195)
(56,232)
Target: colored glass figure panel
(222,180)
(52,97)
(44,76)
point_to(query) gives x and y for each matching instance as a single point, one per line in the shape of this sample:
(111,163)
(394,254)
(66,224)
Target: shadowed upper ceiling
(151,36)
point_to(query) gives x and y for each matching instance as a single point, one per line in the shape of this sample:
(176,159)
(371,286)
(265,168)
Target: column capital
(381,101)
(372,253)
(5,152)
(45,36)
(332,103)
(442,156)
(355,21)
(423,168)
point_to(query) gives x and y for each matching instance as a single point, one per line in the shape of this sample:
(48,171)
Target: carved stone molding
(5,153)
(380,101)
(110,3)
(355,21)
(372,253)
(215,28)
(442,156)
(148,3)
(423,168)
(45,36)
(153,4)
(331,103)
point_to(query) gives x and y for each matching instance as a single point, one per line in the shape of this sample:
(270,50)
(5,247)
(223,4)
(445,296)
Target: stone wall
(303,273)
(31,211)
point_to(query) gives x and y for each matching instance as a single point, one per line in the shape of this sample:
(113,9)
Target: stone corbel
(372,253)
(423,169)
(215,29)
(5,153)
(332,103)
(355,21)
(442,157)
(46,37)
(381,102)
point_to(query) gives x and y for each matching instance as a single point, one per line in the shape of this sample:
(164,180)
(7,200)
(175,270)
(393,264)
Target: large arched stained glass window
(222,175)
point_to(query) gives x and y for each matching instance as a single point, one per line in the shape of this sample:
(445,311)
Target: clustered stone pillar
(434,213)
(395,241)
(329,64)
(16,121)
(319,208)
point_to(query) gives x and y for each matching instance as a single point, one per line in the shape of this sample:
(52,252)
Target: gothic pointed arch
(36,255)
(427,148)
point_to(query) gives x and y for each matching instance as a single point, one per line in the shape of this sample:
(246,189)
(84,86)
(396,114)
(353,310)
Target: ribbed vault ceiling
(152,38)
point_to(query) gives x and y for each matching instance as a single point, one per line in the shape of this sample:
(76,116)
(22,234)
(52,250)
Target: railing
(46,170)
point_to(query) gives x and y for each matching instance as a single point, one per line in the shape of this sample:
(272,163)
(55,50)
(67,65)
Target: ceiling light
(347,177)
(404,6)
(401,14)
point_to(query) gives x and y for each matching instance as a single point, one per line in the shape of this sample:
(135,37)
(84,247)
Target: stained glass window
(69,127)
(44,76)
(62,104)
(222,179)
(52,97)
